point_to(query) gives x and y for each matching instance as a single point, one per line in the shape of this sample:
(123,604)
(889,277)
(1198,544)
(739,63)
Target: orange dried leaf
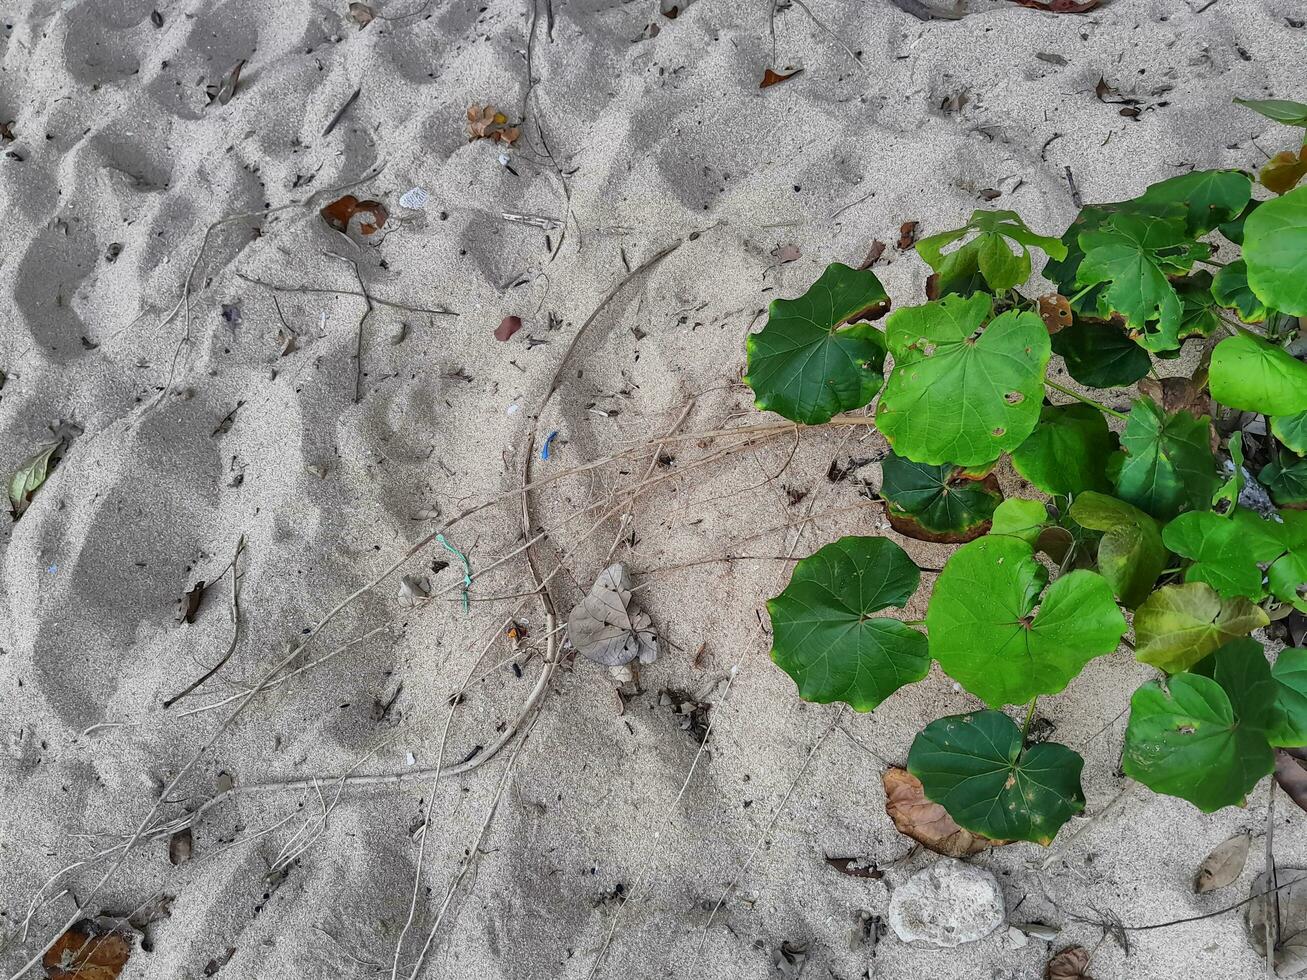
(1282,172)
(770,78)
(86,952)
(925,822)
(1055,309)
(339,212)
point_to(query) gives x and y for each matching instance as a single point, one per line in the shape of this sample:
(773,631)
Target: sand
(641,134)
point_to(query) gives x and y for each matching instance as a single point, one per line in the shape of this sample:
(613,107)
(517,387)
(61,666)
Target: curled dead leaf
(87,952)
(179,846)
(1071,963)
(1281,173)
(770,78)
(30,477)
(361,14)
(1291,774)
(189,605)
(607,628)
(1223,865)
(1059,6)
(855,867)
(488,123)
(786,253)
(1055,310)
(223,92)
(1177,394)
(508,326)
(925,822)
(873,254)
(908,235)
(339,213)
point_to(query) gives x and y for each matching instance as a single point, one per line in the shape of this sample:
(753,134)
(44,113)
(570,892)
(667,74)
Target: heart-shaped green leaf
(974,766)
(1099,355)
(1199,316)
(1292,431)
(1131,554)
(1281,110)
(1168,465)
(1209,197)
(1134,255)
(988,252)
(1179,625)
(1024,519)
(1230,289)
(812,360)
(1290,674)
(1251,375)
(953,397)
(1227,552)
(937,503)
(1067,453)
(1204,738)
(1287,575)
(1285,479)
(1275,252)
(985,633)
(825,635)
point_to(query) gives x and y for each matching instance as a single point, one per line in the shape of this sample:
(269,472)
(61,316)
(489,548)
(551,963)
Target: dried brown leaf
(907,235)
(1055,309)
(925,822)
(339,213)
(1224,865)
(1291,774)
(855,868)
(1177,394)
(86,952)
(179,846)
(507,327)
(873,254)
(770,78)
(1071,963)
(607,628)
(1281,173)
(361,14)
(189,605)
(1060,6)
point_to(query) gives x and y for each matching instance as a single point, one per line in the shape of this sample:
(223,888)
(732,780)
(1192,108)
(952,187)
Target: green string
(467,569)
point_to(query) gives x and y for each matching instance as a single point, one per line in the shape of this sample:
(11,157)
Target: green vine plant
(1151,511)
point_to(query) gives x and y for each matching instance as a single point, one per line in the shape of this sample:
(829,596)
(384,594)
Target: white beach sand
(637,144)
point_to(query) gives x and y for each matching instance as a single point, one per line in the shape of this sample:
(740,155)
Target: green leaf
(1168,465)
(812,361)
(1179,625)
(1280,110)
(1230,289)
(824,633)
(983,633)
(1198,309)
(1285,479)
(988,252)
(1024,519)
(1131,554)
(1290,674)
(952,398)
(29,478)
(1227,552)
(1275,252)
(1099,355)
(1068,451)
(1209,197)
(974,766)
(1134,255)
(937,503)
(1229,491)
(1199,740)
(1292,431)
(1233,229)
(1287,575)
(1251,375)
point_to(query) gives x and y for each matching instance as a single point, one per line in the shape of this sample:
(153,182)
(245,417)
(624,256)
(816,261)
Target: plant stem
(1088,401)
(1030,716)
(914,622)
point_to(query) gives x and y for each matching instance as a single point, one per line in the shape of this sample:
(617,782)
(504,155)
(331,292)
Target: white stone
(947,904)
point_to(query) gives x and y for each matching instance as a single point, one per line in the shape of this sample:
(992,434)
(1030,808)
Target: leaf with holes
(1203,737)
(1227,552)
(1292,431)
(1251,375)
(985,631)
(1275,252)
(1179,625)
(989,251)
(975,766)
(1133,256)
(826,636)
(937,503)
(1068,451)
(1285,480)
(814,359)
(1168,465)
(1131,554)
(1099,355)
(962,391)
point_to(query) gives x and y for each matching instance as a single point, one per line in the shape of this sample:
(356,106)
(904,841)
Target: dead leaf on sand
(189,605)
(339,213)
(179,846)
(907,235)
(1223,865)
(361,14)
(87,952)
(925,822)
(786,253)
(770,78)
(873,254)
(223,92)
(1071,963)
(1060,6)
(1291,774)
(29,478)
(1289,908)
(855,868)
(607,628)
(508,326)
(1177,394)
(488,123)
